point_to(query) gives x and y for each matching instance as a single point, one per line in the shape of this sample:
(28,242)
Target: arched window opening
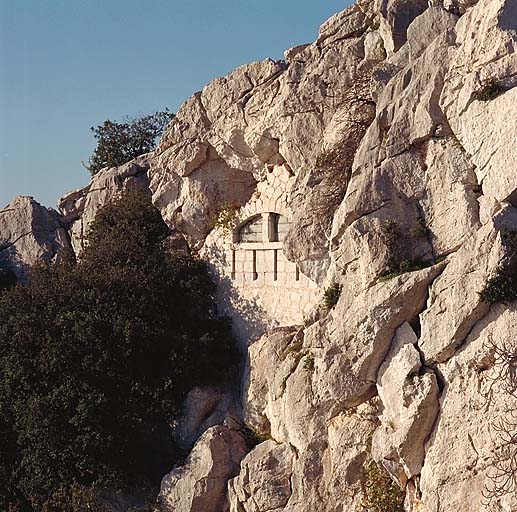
(252,230)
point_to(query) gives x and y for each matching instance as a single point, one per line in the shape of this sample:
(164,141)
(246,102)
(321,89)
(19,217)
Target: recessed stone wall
(258,287)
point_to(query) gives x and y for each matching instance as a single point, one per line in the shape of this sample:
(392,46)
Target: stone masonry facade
(259,288)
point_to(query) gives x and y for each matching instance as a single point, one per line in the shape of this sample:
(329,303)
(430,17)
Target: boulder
(30,234)
(409,394)
(199,485)
(264,482)
(204,408)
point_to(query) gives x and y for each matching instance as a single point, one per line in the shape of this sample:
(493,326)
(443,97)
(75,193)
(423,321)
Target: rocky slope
(392,137)
(398,125)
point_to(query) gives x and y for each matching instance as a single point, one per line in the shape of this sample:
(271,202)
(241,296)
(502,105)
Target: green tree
(96,357)
(7,279)
(118,143)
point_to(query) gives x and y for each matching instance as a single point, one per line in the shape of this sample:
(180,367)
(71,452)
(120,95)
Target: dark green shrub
(404,267)
(7,279)
(308,363)
(395,249)
(96,358)
(502,287)
(331,295)
(398,249)
(252,437)
(420,230)
(74,498)
(225,218)
(118,143)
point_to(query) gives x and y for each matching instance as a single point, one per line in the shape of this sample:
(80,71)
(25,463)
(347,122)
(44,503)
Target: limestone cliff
(392,142)
(30,234)
(376,164)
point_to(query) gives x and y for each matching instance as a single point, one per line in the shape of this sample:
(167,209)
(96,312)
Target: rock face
(352,202)
(200,484)
(78,208)
(30,234)
(204,408)
(392,142)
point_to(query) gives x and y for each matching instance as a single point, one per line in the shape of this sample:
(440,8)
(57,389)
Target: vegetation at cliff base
(120,142)
(95,359)
(7,279)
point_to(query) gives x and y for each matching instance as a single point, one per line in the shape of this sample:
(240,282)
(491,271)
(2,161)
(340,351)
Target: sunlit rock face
(30,234)
(351,201)
(78,208)
(389,147)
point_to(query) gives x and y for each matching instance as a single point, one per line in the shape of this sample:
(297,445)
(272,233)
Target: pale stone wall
(258,287)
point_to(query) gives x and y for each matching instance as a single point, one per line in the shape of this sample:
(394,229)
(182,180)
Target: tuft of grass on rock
(331,295)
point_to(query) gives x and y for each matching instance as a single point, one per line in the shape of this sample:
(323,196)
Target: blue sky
(67,65)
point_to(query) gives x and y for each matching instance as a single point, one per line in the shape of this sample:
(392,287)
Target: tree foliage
(96,357)
(118,143)
(7,279)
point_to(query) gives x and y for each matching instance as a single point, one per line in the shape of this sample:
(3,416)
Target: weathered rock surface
(204,408)
(264,482)
(479,95)
(200,484)
(465,442)
(397,127)
(78,208)
(409,395)
(380,160)
(30,234)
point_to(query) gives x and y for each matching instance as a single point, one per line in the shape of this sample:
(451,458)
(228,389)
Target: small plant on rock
(502,286)
(308,363)
(398,261)
(226,218)
(490,91)
(404,267)
(252,437)
(380,493)
(331,295)
(335,166)
(420,230)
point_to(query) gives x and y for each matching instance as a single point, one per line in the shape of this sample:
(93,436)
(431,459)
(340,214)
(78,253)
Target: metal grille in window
(251,231)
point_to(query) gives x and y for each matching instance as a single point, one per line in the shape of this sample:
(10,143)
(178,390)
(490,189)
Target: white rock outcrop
(30,234)
(200,484)
(397,129)
(78,208)
(352,202)
(409,394)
